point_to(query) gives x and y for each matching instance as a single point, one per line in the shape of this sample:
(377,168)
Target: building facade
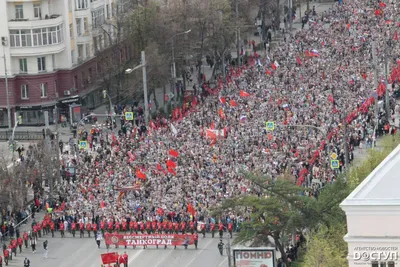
(373,213)
(49,50)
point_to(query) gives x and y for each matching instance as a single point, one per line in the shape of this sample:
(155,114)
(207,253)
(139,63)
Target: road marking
(162,259)
(198,253)
(223,261)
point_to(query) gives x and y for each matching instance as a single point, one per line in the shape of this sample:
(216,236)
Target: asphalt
(83,252)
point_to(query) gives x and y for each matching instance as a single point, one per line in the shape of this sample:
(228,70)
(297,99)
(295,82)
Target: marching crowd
(167,176)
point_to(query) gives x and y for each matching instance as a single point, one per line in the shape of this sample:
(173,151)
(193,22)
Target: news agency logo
(375,256)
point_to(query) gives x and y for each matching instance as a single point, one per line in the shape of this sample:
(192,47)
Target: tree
(326,247)
(276,209)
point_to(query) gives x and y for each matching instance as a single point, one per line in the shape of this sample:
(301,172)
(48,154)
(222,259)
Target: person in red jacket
(125,259)
(170,227)
(148,227)
(221,229)
(14,246)
(88,228)
(110,226)
(95,229)
(196,240)
(141,227)
(153,226)
(159,227)
(131,226)
(121,260)
(124,226)
(212,229)
(183,227)
(117,226)
(61,225)
(44,227)
(81,229)
(136,226)
(230,228)
(39,228)
(6,254)
(26,238)
(102,226)
(73,228)
(191,226)
(20,242)
(203,229)
(35,230)
(176,227)
(52,227)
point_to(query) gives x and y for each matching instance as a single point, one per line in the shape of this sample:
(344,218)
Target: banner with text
(257,257)
(148,239)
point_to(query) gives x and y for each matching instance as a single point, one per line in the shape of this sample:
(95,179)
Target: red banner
(108,258)
(148,240)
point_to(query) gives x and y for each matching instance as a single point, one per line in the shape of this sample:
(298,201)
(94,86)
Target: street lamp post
(146,103)
(173,65)
(105,95)
(7,89)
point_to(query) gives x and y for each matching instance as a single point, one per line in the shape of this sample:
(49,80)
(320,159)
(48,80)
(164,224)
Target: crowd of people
(312,86)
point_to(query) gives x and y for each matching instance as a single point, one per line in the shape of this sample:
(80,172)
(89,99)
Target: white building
(48,47)
(373,216)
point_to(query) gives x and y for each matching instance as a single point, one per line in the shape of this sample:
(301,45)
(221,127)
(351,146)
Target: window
(19,11)
(23,65)
(24,91)
(73,56)
(80,52)
(43,90)
(78,27)
(85,25)
(36,37)
(95,48)
(37,11)
(98,18)
(87,50)
(81,4)
(41,61)
(71,31)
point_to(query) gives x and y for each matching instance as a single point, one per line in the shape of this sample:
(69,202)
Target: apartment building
(49,50)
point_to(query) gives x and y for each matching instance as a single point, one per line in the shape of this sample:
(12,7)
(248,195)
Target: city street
(84,252)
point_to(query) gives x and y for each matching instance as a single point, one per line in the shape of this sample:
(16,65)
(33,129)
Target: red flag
(152,125)
(212,127)
(382,4)
(364,75)
(160,211)
(221,113)
(173,153)
(273,66)
(222,100)
(233,103)
(243,93)
(171,164)
(171,170)
(140,175)
(211,134)
(268,72)
(348,26)
(191,209)
(159,167)
(396,36)
(299,61)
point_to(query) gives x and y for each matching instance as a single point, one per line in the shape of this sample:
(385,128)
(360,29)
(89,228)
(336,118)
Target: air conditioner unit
(67,92)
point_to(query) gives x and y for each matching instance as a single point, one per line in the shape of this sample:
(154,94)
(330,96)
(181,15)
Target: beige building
(373,217)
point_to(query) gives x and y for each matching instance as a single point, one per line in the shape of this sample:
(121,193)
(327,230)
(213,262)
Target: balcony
(37,50)
(47,21)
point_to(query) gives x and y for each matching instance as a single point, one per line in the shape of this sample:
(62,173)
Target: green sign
(83,144)
(270,125)
(335,164)
(129,116)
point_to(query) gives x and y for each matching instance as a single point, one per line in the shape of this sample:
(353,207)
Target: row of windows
(25,90)
(37,11)
(36,37)
(41,64)
(98,17)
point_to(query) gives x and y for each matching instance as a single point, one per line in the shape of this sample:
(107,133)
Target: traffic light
(19,119)
(104,94)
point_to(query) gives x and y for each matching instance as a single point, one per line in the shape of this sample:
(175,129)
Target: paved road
(84,252)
